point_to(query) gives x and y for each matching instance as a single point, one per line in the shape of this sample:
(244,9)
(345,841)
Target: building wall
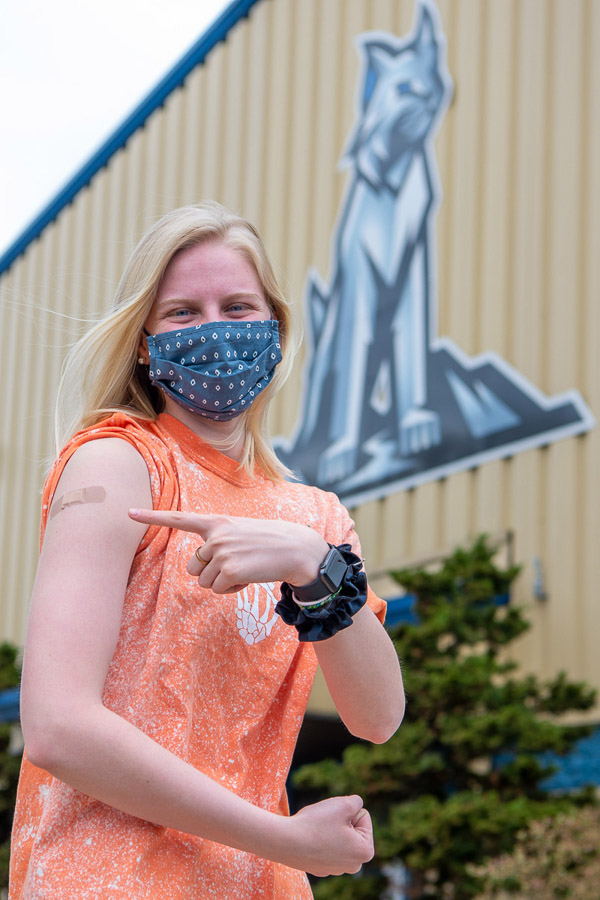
(260,126)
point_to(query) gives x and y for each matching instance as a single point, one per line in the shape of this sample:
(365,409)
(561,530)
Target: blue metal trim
(402,610)
(9,705)
(576,770)
(195,56)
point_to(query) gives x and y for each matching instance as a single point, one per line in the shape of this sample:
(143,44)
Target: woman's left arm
(360,663)
(362,671)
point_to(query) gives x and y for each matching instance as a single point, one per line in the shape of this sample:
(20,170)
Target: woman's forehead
(212,267)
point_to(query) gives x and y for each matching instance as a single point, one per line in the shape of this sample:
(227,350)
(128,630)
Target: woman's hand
(238,551)
(332,837)
(355,661)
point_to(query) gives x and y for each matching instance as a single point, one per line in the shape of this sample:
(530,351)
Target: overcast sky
(70,72)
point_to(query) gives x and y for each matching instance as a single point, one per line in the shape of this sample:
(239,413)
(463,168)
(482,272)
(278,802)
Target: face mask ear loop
(142,361)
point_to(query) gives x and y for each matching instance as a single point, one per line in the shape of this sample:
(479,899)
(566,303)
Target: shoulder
(142,434)
(88,505)
(111,471)
(128,451)
(311,495)
(111,458)
(320,509)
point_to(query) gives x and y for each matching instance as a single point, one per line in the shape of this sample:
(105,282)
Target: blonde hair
(101,375)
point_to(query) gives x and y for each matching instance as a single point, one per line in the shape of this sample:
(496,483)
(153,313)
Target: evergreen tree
(463,775)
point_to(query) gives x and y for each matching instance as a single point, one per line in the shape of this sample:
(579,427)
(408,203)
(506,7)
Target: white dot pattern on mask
(254,365)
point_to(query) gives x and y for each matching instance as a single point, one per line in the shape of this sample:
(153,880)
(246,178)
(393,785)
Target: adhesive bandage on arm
(94,494)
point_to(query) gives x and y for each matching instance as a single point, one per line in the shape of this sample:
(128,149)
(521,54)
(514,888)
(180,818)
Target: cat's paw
(419,430)
(337,462)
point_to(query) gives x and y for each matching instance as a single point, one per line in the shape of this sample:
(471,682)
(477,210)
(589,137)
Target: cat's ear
(378,57)
(378,54)
(426,28)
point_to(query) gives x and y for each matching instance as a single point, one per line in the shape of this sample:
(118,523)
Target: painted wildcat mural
(387,404)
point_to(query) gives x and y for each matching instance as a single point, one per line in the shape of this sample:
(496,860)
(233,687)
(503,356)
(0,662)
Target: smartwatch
(331,574)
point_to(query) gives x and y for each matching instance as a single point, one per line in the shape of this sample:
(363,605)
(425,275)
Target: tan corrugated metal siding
(261,127)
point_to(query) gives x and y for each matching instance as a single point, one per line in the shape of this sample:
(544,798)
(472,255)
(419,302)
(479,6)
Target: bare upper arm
(82,575)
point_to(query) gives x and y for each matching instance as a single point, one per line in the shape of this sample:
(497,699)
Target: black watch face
(333,570)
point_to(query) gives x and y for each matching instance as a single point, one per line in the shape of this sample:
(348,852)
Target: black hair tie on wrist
(328,617)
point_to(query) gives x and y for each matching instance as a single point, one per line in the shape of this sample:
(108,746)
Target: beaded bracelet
(321,619)
(314,604)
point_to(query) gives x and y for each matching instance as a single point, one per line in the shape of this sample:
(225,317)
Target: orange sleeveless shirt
(219,680)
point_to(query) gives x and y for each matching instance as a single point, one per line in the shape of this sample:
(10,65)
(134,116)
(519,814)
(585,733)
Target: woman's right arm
(74,624)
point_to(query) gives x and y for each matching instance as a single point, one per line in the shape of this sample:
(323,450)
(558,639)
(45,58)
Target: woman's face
(209,282)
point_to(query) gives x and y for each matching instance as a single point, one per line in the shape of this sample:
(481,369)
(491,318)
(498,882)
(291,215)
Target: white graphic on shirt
(253,625)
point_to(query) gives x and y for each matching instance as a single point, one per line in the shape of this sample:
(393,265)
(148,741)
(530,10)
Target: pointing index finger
(193,522)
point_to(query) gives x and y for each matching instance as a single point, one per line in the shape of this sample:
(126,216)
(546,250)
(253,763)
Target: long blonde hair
(101,375)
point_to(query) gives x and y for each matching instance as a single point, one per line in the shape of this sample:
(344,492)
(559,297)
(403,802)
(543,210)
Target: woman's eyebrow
(242,294)
(225,299)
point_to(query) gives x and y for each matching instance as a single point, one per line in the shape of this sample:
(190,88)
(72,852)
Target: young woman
(162,694)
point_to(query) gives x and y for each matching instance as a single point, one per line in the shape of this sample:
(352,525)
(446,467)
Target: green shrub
(462,776)
(554,858)
(10,762)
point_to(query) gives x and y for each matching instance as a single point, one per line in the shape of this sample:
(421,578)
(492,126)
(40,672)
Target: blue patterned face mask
(216,369)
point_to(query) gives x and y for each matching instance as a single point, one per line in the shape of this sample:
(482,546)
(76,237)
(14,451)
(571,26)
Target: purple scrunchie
(336,615)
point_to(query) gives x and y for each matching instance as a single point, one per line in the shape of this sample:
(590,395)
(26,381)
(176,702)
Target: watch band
(331,574)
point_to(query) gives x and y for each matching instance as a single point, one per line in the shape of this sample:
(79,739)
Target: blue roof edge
(196,55)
